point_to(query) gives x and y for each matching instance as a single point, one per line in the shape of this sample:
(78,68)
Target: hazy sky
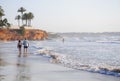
(68,15)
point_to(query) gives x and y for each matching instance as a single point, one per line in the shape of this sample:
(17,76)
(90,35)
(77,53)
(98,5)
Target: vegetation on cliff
(3,22)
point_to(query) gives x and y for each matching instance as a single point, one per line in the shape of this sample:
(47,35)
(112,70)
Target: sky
(68,15)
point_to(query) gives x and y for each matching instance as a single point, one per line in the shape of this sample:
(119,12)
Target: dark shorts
(19,46)
(25,46)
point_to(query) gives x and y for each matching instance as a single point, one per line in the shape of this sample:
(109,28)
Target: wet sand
(38,68)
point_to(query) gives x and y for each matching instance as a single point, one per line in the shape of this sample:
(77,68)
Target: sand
(38,68)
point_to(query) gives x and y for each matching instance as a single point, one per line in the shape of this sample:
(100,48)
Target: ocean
(89,52)
(92,52)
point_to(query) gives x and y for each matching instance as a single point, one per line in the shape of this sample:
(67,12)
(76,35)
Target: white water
(94,52)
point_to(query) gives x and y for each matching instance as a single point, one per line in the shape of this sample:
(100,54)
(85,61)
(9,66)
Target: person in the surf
(19,46)
(63,40)
(26,45)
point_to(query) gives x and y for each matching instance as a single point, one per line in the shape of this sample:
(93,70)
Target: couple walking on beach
(25,46)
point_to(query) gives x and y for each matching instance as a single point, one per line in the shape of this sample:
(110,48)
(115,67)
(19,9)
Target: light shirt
(25,43)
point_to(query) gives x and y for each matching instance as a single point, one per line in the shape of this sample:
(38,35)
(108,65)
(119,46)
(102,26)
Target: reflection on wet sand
(22,70)
(2,63)
(2,77)
(24,54)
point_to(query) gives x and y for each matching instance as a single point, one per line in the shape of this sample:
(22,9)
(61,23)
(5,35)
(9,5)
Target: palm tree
(22,10)
(4,22)
(18,17)
(30,17)
(25,17)
(1,13)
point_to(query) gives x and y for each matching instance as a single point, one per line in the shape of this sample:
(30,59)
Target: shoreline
(37,67)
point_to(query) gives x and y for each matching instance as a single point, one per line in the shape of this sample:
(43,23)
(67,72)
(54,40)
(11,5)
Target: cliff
(15,34)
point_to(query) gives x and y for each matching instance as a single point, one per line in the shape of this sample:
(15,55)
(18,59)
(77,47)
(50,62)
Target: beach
(38,68)
(61,40)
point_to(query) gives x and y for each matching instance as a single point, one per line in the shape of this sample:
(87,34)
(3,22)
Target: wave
(105,37)
(67,61)
(111,42)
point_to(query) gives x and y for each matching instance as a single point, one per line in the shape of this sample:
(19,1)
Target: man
(26,45)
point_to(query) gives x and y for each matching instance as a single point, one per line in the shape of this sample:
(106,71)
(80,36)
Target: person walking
(26,45)
(19,46)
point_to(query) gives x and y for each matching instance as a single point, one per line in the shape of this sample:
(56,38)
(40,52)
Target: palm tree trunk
(30,22)
(1,18)
(18,22)
(26,22)
(22,18)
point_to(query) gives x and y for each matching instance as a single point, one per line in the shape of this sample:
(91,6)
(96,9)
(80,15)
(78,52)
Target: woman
(19,46)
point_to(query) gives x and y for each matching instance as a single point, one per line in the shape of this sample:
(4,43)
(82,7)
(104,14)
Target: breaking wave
(69,61)
(93,52)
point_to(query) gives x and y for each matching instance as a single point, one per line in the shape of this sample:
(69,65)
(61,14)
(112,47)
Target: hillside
(15,34)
